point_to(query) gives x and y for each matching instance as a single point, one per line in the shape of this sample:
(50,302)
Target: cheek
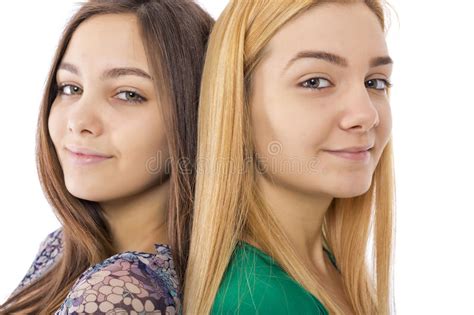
(300,130)
(382,133)
(384,129)
(154,137)
(143,146)
(55,126)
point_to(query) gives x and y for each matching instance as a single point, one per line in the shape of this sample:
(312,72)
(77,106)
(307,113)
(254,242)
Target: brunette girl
(116,146)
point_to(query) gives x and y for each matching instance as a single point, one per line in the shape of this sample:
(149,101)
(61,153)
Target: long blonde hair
(227,205)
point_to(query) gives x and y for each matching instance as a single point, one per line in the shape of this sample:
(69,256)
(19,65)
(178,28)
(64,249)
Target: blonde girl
(295,184)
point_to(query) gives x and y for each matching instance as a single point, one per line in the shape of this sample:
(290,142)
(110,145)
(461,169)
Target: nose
(84,117)
(360,112)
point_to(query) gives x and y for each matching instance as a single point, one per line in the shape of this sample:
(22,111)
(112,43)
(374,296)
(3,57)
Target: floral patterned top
(127,283)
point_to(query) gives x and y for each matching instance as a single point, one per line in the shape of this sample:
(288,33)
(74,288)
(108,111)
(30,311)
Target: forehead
(349,30)
(107,39)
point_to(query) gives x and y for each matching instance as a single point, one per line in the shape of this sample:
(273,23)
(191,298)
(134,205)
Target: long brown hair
(174,34)
(228,206)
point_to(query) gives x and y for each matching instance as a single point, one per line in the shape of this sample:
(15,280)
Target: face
(107,104)
(305,103)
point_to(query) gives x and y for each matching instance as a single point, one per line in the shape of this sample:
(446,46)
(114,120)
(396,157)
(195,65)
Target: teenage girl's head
(284,83)
(124,84)
(109,99)
(321,84)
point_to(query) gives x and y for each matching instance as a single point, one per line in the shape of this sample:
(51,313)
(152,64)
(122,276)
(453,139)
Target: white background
(432,105)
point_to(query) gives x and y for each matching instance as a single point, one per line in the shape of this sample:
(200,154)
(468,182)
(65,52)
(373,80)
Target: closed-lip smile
(357,153)
(83,156)
(354,149)
(84,151)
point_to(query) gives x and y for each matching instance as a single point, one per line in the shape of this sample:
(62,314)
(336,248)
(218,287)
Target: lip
(84,156)
(85,151)
(354,149)
(353,153)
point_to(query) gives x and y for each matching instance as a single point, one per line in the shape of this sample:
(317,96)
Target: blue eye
(68,89)
(131,97)
(314,83)
(378,84)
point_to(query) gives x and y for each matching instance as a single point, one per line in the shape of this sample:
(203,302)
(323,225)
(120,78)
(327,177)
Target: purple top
(126,283)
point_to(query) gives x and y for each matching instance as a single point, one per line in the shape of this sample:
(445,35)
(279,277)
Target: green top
(255,284)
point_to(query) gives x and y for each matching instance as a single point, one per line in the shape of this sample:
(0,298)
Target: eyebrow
(337,60)
(110,73)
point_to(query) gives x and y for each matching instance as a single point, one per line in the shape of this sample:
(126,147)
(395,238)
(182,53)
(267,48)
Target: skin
(99,113)
(346,111)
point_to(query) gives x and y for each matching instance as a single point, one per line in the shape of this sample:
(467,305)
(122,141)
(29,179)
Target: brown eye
(378,84)
(315,83)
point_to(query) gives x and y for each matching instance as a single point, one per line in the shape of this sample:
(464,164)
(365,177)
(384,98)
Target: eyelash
(387,83)
(140,99)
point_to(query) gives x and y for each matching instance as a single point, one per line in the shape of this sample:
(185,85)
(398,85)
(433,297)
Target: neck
(301,217)
(138,222)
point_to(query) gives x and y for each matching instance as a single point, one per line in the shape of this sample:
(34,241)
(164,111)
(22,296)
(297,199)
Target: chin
(82,191)
(350,190)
